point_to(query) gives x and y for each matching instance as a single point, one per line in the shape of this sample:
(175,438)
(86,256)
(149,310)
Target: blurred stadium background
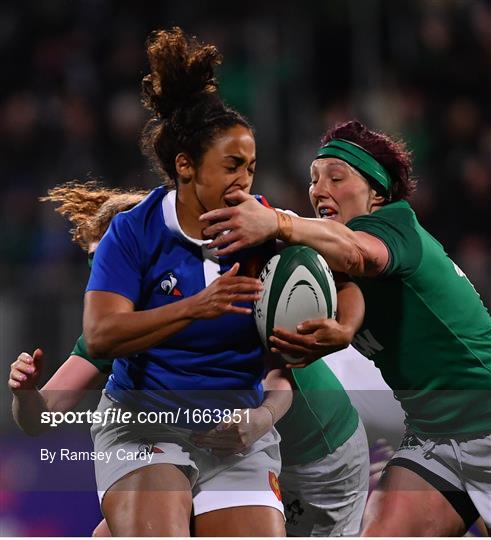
(70,108)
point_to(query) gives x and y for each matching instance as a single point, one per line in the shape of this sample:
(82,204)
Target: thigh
(128,447)
(324,514)
(241,521)
(239,495)
(151,501)
(327,497)
(241,480)
(476,463)
(404,504)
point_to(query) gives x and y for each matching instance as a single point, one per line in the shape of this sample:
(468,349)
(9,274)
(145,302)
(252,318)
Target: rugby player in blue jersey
(90,207)
(176,318)
(171,224)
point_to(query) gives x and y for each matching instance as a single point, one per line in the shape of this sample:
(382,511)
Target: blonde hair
(90,207)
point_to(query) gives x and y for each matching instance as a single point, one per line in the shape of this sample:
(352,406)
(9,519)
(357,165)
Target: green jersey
(426,328)
(320,419)
(80,349)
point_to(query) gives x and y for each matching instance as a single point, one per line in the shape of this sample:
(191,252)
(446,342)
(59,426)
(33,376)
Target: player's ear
(184,167)
(376,199)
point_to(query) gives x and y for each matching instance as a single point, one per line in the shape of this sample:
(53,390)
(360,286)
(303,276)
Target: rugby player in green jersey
(320,442)
(324,453)
(426,327)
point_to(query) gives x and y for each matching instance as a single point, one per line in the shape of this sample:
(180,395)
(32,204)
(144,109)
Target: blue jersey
(213,364)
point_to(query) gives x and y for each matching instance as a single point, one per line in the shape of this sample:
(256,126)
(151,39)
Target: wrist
(284,226)
(23,394)
(192,307)
(348,332)
(271,411)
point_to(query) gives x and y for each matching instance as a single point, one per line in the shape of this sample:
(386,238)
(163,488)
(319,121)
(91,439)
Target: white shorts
(248,479)
(459,468)
(327,497)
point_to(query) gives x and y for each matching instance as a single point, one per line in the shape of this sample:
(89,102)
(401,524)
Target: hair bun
(182,71)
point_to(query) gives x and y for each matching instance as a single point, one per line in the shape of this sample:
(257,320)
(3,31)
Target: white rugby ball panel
(332,287)
(261,305)
(298,286)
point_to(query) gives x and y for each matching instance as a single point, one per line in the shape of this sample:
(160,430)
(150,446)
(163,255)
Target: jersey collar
(172,223)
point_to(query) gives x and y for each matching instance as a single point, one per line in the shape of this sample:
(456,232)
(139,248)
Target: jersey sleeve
(117,262)
(80,349)
(400,237)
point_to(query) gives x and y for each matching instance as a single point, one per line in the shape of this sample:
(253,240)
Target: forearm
(113,328)
(339,245)
(278,393)
(27,406)
(68,386)
(351,307)
(125,333)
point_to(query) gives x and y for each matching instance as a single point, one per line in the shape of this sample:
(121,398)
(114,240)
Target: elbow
(354,262)
(33,432)
(359,263)
(31,429)
(98,344)
(97,347)
(101,326)
(94,348)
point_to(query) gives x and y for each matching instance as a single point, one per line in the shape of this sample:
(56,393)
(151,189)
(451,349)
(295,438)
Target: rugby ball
(298,285)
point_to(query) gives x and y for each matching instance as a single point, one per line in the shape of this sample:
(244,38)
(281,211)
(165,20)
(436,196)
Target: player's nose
(321,189)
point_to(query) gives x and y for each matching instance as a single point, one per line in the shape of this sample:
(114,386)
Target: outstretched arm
(249,223)
(61,393)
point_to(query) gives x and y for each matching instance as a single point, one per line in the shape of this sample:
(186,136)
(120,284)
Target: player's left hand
(233,437)
(247,223)
(26,371)
(313,339)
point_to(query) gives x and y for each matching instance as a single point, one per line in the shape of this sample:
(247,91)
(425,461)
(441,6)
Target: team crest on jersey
(274,484)
(169,285)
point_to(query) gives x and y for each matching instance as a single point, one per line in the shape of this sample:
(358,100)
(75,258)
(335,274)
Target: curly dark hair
(90,207)
(181,92)
(392,154)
